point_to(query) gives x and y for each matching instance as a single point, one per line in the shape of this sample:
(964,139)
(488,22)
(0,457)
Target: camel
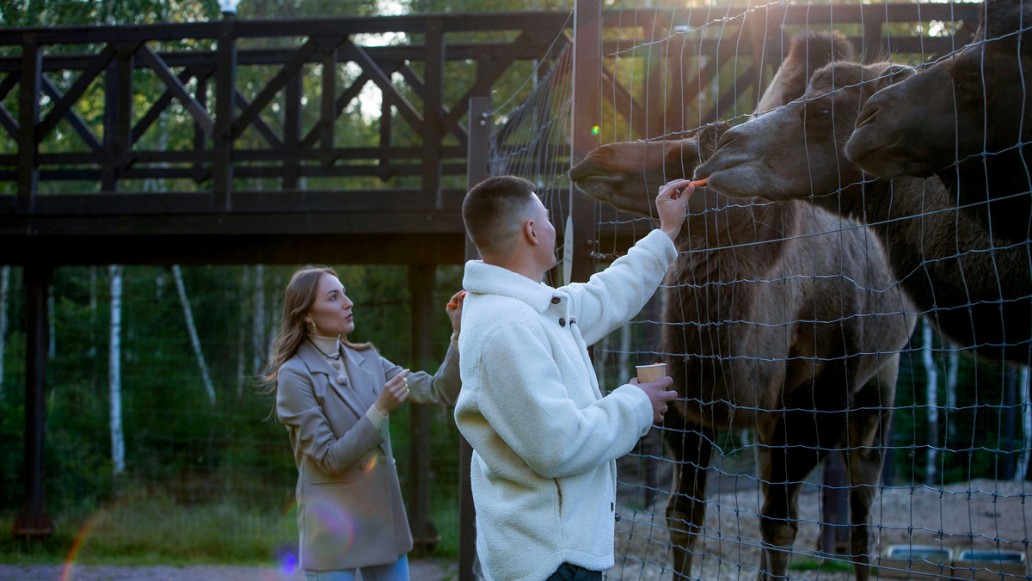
(778,317)
(966,119)
(975,288)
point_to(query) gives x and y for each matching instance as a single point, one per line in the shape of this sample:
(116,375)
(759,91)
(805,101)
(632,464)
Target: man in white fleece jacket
(544,436)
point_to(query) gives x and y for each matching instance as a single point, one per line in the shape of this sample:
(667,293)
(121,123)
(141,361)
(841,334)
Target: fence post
(587,77)
(476,172)
(424,532)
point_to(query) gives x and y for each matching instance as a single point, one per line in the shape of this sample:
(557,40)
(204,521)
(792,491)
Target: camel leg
(783,466)
(686,510)
(865,455)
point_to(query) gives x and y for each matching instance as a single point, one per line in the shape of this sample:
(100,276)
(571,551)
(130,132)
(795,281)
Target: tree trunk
(5,279)
(931,391)
(195,341)
(1025,465)
(258,338)
(52,324)
(952,373)
(115,374)
(1007,466)
(241,358)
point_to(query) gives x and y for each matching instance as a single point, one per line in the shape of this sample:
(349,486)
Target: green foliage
(147,529)
(184,456)
(826,565)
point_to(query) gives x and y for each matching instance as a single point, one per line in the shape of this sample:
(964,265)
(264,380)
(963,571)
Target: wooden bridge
(235,142)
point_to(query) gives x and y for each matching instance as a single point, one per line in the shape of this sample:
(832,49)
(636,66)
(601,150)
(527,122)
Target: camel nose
(729,137)
(867,115)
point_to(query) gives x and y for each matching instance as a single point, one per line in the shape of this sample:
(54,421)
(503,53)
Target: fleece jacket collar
(484,278)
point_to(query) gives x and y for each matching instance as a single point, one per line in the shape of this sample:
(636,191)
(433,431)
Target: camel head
(628,174)
(975,101)
(797,151)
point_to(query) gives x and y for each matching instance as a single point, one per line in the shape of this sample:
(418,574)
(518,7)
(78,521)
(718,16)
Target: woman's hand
(394,393)
(454,310)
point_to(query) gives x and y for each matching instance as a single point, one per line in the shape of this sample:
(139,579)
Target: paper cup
(650,373)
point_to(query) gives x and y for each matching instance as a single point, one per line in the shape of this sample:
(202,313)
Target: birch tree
(195,341)
(1024,458)
(245,283)
(931,392)
(115,373)
(52,324)
(5,279)
(952,373)
(258,337)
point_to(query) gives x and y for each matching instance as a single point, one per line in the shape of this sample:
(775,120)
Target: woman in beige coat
(334,397)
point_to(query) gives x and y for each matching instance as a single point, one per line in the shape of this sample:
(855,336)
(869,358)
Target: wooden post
(587,75)
(292,129)
(225,113)
(433,98)
(33,522)
(424,532)
(118,112)
(476,172)
(28,119)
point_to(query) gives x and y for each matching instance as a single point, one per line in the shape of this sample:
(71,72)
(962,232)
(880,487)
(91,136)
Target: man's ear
(530,232)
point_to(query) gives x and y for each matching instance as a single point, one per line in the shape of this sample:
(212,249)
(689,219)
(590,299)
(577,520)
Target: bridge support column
(424,532)
(33,522)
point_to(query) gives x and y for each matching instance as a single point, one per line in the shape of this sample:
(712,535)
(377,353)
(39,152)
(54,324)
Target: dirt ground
(420,570)
(980,514)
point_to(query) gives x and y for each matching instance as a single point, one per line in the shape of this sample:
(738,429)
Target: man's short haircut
(492,211)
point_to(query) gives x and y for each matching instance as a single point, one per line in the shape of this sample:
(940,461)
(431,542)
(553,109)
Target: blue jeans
(569,572)
(396,571)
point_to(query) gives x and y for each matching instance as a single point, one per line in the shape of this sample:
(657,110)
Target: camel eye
(818,111)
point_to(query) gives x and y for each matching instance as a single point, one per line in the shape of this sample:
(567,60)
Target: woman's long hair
(297,300)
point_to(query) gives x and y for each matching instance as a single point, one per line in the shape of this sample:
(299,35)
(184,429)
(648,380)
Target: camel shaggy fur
(975,288)
(778,317)
(966,119)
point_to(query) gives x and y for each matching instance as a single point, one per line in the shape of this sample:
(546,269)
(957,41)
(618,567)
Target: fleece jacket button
(562,322)
(555,300)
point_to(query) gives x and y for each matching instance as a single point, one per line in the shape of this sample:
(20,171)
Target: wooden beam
(33,521)
(28,104)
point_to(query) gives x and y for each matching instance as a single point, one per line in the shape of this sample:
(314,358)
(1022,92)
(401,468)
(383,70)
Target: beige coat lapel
(363,380)
(322,370)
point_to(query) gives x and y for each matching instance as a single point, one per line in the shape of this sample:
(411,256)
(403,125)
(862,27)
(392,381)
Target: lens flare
(73,552)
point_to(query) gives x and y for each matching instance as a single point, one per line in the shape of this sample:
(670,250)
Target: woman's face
(331,310)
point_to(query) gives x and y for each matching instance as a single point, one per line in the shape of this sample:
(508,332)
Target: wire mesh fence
(816,394)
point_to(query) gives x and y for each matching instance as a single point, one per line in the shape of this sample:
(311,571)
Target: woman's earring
(311,327)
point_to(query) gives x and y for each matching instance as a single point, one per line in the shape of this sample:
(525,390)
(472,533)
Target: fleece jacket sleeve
(614,296)
(523,397)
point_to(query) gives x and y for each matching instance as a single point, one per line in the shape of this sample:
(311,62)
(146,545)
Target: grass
(816,564)
(153,530)
(148,531)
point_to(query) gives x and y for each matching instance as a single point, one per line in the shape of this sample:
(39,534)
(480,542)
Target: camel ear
(897,73)
(708,136)
(890,74)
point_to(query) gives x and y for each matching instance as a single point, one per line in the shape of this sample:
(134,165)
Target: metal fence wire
(848,319)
